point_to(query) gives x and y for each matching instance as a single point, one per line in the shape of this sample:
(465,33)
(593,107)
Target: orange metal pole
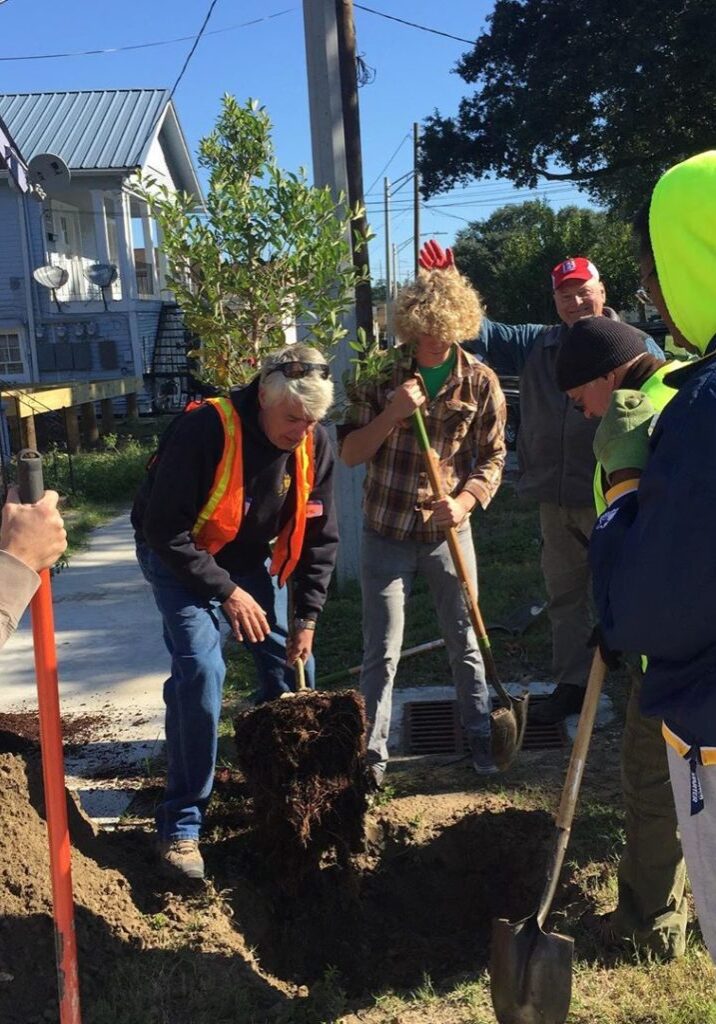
(53,774)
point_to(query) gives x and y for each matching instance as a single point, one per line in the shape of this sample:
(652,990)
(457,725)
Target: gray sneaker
(180,858)
(482,760)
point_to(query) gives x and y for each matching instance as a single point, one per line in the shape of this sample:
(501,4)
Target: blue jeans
(193,691)
(388,568)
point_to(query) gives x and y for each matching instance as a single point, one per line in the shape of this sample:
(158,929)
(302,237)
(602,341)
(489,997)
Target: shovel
(298,666)
(531,970)
(32,488)
(507,722)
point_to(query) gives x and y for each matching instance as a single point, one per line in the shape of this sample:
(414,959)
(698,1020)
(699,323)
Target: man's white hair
(313,392)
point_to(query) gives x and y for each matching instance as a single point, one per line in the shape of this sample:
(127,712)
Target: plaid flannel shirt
(466,425)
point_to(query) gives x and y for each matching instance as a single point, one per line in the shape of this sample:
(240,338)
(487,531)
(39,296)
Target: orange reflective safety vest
(220,519)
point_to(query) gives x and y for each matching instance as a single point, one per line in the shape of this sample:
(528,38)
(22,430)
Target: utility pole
(354,162)
(328,143)
(416,197)
(389,332)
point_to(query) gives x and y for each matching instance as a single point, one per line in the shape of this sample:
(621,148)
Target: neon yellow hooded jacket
(653,552)
(682,226)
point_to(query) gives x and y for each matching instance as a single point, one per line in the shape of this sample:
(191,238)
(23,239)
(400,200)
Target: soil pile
(106,914)
(303,759)
(139,953)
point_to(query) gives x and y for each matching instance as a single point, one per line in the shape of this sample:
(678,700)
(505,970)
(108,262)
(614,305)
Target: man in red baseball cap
(577,290)
(556,468)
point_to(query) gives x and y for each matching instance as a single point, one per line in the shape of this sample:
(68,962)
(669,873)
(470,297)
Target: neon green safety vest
(659,394)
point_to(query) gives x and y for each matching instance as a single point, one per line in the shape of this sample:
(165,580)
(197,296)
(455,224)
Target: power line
(397,150)
(185,65)
(491,187)
(413,24)
(487,201)
(144,46)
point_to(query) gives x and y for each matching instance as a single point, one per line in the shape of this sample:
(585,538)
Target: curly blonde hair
(439,303)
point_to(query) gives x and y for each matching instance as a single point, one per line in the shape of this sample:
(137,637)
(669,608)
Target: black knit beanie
(593,347)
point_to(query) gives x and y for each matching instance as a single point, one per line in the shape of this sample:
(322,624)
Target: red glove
(432,256)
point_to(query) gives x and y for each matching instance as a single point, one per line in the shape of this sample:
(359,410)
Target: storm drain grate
(433,727)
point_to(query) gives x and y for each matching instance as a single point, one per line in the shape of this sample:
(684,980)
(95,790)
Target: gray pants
(565,567)
(388,568)
(698,838)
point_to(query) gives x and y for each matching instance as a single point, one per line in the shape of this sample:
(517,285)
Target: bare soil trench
(437,865)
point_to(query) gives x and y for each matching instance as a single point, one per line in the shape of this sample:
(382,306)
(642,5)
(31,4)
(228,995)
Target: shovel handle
(573,782)
(31,487)
(300,670)
(468,590)
(29,476)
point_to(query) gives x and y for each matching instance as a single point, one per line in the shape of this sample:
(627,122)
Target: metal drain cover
(433,727)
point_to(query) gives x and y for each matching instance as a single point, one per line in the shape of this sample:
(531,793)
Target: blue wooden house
(87,333)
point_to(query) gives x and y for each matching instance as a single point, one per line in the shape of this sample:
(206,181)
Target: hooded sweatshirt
(653,551)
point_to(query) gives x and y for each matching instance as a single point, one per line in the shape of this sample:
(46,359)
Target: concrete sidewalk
(111,658)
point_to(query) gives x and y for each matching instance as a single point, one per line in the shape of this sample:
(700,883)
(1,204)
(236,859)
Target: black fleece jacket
(178,483)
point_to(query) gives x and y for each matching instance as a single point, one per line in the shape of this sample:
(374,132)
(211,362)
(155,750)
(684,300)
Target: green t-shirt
(435,376)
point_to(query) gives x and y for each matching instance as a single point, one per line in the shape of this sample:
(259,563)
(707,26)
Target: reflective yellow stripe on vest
(232,442)
(659,394)
(220,519)
(289,543)
(707,754)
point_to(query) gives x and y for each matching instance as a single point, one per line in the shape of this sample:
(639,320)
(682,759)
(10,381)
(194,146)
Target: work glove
(432,256)
(612,659)
(622,438)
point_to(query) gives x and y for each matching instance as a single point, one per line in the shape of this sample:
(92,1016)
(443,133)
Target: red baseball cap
(574,268)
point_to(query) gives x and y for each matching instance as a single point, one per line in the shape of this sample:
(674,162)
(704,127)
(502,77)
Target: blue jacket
(653,556)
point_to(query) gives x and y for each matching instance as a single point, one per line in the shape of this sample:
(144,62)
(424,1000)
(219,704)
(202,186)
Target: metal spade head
(530,973)
(507,728)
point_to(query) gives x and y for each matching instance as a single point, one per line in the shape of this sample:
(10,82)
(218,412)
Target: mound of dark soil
(75,730)
(131,971)
(303,759)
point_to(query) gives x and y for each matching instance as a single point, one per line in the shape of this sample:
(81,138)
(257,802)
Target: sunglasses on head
(294,369)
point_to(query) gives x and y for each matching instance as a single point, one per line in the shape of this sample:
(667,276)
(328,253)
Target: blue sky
(267,61)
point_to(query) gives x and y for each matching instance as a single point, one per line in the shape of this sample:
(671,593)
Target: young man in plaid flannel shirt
(404,528)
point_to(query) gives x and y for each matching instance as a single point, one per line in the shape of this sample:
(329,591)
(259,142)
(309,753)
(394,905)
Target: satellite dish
(51,277)
(101,275)
(49,172)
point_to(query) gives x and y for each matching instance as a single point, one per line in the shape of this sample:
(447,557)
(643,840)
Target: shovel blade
(507,728)
(530,973)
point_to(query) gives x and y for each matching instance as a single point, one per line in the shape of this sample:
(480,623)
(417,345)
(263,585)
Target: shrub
(111,476)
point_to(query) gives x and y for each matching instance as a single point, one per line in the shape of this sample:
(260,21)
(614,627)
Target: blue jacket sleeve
(653,553)
(504,347)
(653,348)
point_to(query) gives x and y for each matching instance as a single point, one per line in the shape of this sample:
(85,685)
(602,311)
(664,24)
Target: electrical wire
(185,65)
(381,173)
(414,24)
(507,197)
(144,46)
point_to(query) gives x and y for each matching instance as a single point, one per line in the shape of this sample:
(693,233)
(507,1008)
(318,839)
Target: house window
(11,361)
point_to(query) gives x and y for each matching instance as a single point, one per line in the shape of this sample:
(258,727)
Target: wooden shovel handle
(298,667)
(300,670)
(572,783)
(578,760)
(460,568)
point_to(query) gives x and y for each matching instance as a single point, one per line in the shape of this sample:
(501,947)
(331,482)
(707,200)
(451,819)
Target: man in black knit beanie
(597,357)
